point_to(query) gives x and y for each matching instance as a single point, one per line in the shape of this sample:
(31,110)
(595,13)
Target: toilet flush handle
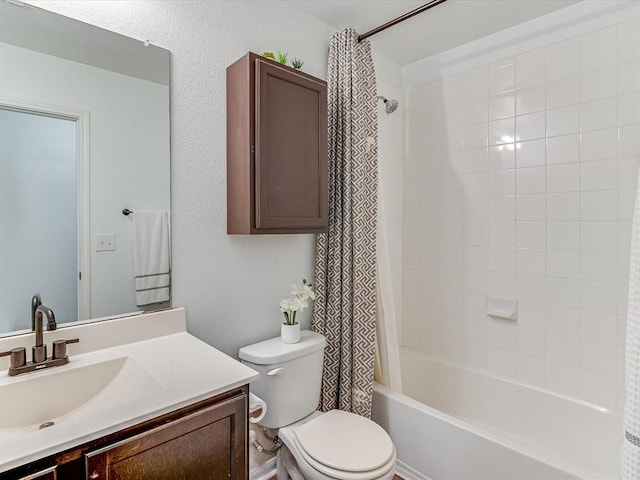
(275,371)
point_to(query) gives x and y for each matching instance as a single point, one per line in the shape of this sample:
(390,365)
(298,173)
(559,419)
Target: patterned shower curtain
(345,270)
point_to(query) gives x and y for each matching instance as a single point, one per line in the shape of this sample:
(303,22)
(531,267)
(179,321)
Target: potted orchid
(290,330)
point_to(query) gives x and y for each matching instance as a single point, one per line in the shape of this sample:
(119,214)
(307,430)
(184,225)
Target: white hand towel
(151,256)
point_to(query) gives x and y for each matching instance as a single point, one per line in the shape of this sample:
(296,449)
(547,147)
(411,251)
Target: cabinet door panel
(291,149)
(206,445)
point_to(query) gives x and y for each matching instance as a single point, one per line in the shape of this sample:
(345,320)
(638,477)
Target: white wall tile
(501,333)
(599,205)
(599,175)
(629,45)
(502,182)
(502,259)
(562,121)
(530,99)
(531,234)
(530,70)
(502,76)
(530,180)
(598,52)
(530,126)
(563,149)
(502,208)
(598,84)
(626,201)
(562,59)
(502,131)
(563,178)
(502,105)
(598,296)
(629,109)
(531,261)
(598,326)
(563,92)
(502,284)
(561,349)
(563,235)
(563,321)
(599,145)
(629,140)
(563,263)
(531,288)
(599,114)
(563,206)
(629,77)
(501,158)
(502,234)
(531,153)
(530,208)
(531,315)
(563,292)
(530,342)
(599,236)
(599,266)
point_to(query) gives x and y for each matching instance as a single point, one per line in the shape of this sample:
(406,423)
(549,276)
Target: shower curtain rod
(401,18)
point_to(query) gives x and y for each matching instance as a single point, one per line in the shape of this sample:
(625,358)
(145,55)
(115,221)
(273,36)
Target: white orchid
(291,306)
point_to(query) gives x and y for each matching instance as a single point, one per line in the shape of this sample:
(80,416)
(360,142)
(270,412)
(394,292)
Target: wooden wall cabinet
(205,441)
(276,149)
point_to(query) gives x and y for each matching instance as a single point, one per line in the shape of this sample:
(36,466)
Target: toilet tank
(290,376)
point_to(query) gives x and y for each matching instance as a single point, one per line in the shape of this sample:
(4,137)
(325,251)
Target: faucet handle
(18,356)
(60,347)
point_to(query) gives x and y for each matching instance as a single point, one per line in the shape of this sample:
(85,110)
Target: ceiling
(441,28)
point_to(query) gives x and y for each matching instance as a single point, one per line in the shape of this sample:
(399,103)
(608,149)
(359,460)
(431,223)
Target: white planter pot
(290,333)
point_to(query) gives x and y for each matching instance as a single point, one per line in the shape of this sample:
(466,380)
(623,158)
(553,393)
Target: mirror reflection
(84,135)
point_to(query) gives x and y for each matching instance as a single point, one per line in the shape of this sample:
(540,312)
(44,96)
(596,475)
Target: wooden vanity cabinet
(277,159)
(205,441)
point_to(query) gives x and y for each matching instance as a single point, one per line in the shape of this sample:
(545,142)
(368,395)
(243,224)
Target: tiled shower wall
(519,183)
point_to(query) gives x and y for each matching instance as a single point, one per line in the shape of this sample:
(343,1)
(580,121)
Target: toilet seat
(332,444)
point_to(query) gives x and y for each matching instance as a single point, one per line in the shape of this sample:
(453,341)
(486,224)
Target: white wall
(126,168)
(230,285)
(520,177)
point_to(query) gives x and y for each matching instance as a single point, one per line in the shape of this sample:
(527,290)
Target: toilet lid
(345,441)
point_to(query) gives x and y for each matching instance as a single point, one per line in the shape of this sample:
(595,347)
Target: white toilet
(316,446)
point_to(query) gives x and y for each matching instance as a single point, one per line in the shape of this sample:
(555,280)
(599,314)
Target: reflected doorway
(39,220)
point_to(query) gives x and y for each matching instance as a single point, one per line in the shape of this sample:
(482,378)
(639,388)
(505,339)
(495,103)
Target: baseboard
(265,471)
(408,473)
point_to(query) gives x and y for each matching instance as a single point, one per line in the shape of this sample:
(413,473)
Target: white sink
(52,395)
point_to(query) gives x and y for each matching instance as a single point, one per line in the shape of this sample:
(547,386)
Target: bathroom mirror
(84,134)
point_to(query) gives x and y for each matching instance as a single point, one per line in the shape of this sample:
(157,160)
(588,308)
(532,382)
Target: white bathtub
(455,423)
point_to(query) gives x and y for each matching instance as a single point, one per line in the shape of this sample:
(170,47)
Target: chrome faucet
(39,350)
(39,360)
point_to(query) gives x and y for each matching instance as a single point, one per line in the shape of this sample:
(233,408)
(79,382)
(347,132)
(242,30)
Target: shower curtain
(345,268)
(630,452)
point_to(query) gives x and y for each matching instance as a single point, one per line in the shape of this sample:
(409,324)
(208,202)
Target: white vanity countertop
(177,370)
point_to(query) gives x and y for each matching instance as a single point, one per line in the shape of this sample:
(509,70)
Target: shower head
(390,106)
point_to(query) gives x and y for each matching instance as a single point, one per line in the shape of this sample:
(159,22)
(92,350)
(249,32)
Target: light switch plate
(105,242)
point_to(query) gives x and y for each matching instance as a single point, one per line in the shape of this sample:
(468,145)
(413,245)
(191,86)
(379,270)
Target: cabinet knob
(94,475)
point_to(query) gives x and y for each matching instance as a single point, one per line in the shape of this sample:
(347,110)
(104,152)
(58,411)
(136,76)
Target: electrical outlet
(105,242)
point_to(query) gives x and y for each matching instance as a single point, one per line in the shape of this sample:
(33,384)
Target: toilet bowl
(333,445)
(336,445)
